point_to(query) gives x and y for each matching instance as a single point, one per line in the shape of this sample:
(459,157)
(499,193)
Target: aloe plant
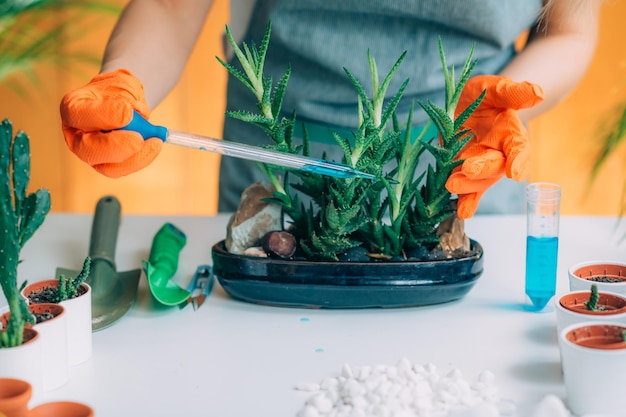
(399,211)
(21,214)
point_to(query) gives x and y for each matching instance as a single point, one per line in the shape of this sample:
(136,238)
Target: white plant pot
(566,317)
(54,341)
(24,362)
(594,378)
(80,339)
(578,275)
(78,311)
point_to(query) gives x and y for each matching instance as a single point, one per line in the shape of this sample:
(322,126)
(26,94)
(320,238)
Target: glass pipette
(239,150)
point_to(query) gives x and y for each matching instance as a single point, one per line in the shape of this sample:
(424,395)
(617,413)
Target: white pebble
(482,410)
(308,411)
(321,402)
(328,383)
(346,371)
(353,389)
(358,412)
(403,413)
(455,375)
(404,364)
(486,377)
(359,402)
(402,390)
(255,251)
(550,406)
(392,372)
(364,372)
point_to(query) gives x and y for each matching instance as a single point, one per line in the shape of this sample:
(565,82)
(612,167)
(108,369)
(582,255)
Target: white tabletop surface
(232,358)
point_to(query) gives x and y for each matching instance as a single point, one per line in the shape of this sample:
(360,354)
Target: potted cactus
(605,274)
(21,214)
(590,305)
(50,323)
(74,295)
(360,243)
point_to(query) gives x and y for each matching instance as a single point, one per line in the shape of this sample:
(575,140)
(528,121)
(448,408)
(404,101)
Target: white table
(232,358)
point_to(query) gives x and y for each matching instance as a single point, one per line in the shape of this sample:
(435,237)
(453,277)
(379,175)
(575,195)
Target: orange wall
(567,139)
(184,181)
(180,181)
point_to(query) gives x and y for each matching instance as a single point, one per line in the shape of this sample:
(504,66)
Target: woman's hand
(500,144)
(90,116)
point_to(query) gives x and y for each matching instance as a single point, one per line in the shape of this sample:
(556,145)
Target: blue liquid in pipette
(349,173)
(541,258)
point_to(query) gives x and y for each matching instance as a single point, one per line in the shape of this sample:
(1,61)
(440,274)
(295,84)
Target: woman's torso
(318,38)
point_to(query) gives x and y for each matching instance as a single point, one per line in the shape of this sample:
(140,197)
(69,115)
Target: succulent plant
(21,214)
(399,211)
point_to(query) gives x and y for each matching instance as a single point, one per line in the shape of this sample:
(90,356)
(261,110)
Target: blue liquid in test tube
(542,242)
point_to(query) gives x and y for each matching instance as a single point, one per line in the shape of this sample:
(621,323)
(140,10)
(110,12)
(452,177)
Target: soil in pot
(48,294)
(42,312)
(45,311)
(605,272)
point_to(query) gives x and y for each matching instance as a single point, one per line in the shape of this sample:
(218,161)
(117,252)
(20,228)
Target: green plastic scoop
(163,263)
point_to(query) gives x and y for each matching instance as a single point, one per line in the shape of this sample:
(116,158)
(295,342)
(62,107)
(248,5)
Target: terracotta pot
(602,336)
(24,362)
(61,408)
(608,276)
(53,335)
(571,309)
(78,311)
(593,356)
(14,397)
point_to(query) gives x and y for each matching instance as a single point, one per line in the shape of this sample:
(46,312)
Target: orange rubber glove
(90,115)
(500,144)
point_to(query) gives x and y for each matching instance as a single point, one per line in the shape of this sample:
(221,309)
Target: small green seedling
(592,304)
(68,288)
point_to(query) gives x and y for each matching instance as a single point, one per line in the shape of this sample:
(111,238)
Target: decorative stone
(279,243)
(253,219)
(452,236)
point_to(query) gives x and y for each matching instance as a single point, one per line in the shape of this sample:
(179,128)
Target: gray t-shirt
(319,38)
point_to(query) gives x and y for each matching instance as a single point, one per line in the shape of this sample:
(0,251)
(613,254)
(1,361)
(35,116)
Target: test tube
(542,241)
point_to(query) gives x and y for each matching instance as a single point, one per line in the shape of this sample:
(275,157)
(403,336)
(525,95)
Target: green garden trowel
(162,265)
(112,292)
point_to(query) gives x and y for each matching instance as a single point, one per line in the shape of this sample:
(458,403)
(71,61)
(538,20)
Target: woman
(152,40)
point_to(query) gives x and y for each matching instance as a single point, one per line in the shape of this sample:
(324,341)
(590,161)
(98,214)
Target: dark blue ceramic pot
(310,284)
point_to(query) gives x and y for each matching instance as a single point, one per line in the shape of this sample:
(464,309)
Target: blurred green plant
(68,287)
(615,136)
(34,32)
(592,304)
